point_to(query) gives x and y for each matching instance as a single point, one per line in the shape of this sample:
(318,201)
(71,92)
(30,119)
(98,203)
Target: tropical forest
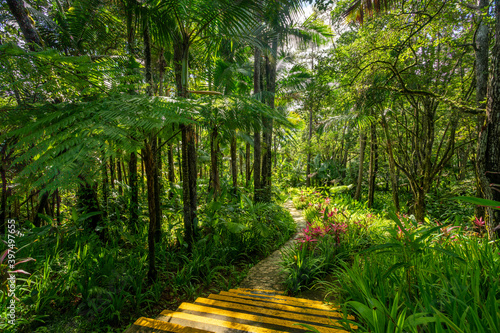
(259,166)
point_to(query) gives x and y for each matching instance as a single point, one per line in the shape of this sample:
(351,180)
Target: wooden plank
(281,297)
(152,325)
(321,307)
(278,306)
(261,291)
(165,315)
(270,312)
(215,325)
(253,319)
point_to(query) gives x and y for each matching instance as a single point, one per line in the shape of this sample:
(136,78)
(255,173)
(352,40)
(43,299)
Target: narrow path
(267,274)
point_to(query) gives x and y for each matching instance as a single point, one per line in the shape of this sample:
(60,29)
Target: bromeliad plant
(7,263)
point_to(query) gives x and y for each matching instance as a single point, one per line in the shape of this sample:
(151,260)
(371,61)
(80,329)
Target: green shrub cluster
(79,283)
(406,276)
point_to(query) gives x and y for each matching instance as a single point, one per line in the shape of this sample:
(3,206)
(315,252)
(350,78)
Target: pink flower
(479,222)
(307,239)
(317,230)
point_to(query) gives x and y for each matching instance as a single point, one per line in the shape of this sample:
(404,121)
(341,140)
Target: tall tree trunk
(214,184)
(267,137)
(241,163)
(309,136)
(124,172)
(43,206)
(105,184)
(373,164)
(179,159)
(25,23)
(134,194)
(181,52)
(87,202)
(58,207)
(489,143)
(112,171)
(119,174)
(157,183)
(256,135)
(171,168)
(234,164)
(392,166)
(482,49)
(247,164)
(362,146)
(150,161)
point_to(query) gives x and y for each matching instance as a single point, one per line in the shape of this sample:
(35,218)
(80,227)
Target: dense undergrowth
(394,274)
(81,283)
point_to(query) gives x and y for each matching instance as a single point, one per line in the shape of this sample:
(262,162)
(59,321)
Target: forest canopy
(167,126)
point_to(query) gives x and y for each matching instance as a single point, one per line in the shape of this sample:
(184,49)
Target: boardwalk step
(244,310)
(269,311)
(274,299)
(147,325)
(264,320)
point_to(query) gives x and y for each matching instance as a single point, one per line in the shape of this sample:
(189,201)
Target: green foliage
(76,275)
(337,227)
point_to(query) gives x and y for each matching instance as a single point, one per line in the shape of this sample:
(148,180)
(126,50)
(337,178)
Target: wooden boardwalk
(243,310)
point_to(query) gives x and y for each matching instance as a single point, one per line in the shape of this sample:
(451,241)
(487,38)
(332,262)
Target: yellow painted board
(221,323)
(269,312)
(303,300)
(322,307)
(262,291)
(165,327)
(166,312)
(284,307)
(249,317)
(165,315)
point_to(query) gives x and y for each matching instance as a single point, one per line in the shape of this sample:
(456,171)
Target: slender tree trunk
(234,164)
(25,23)
(482,49)
(58,207)
(362,146)
(119,174)
(241,164)
(87,202)
(189,183)
(309,136)
(141,175)
(214,184)
(134,194)
(150,162)
(392,166)
(188,150)
(171,168)
(41,207)
(420,205)
(157,184)
(256,135)
(373,165)
(267,137)
(247,165)
(489,143)
(179,159)
(112,171)
(105,184)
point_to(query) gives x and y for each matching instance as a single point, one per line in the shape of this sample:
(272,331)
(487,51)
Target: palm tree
(186,24)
